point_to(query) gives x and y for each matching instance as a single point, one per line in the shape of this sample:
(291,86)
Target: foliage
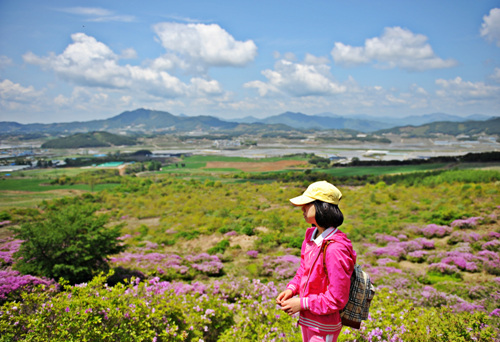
(72,244)
(150,311)
(92,139)
(102,176)
(393,319)
(219,248)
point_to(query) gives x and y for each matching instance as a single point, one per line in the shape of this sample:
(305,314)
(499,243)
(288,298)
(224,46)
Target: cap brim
(301,200)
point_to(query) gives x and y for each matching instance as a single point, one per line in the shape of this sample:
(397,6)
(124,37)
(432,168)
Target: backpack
(361,294)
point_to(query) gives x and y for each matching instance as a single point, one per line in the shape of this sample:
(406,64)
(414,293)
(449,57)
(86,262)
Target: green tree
(70,242)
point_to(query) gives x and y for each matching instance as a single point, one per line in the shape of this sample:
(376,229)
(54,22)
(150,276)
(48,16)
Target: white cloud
(313,60)
(396,48)
(98,14)
(17,98)
(5,61)
(496,75)
(298,79)
(82,99)
(202,45)
(14,92)
(201,87)
(490,28)
(88,62)
(128,54)
(94,11)
(466,92)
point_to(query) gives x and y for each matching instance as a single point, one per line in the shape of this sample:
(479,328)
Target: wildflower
(495,312)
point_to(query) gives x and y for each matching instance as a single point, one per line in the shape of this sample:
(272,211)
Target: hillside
(213,262)
(137,120)
(92,139)
(490,127)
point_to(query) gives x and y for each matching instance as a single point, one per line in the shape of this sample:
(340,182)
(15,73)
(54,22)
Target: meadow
(207,252)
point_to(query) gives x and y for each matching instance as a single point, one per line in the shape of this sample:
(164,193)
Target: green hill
(92,139)
(491,126)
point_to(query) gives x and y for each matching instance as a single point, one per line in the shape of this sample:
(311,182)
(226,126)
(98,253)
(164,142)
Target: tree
(71,243)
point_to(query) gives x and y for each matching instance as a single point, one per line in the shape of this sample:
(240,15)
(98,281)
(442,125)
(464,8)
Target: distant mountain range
(360,122)
(141,120)
(467,128)
(145,120)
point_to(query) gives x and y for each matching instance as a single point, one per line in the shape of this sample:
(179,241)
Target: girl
(322,281)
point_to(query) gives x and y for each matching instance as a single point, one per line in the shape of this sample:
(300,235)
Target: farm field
(211,250)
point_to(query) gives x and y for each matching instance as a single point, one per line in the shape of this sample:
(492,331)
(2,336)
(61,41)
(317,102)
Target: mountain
(415,120)
(491,127)
(137,120)
(92,139)
(303,121)
(358,122)
(246,119)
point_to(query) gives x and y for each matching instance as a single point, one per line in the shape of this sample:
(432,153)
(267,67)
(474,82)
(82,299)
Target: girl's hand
(287,294)
(291,306)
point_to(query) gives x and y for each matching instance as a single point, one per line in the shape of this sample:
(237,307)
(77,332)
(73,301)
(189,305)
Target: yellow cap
(322,191)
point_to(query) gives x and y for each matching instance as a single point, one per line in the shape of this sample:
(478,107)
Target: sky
(65,60)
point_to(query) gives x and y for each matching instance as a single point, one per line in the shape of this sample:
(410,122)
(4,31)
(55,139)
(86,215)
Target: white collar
(319,240)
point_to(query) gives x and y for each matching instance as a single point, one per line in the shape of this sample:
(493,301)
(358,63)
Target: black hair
(328,214)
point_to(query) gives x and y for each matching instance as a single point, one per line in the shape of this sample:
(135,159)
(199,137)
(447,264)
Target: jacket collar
(319,240)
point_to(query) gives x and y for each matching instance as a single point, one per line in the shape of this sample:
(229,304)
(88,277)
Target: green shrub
(219,248)
(70,243)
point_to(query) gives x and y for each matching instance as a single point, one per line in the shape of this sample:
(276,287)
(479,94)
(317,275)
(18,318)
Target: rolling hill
(490,127)
(92,139)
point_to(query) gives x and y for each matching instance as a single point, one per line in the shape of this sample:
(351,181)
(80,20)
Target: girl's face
(309,212)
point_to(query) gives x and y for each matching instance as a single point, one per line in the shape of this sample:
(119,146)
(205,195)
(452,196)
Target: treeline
(92,139)
(138,156)
(483,157)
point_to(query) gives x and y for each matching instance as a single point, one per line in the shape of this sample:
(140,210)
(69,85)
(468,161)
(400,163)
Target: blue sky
(69,60)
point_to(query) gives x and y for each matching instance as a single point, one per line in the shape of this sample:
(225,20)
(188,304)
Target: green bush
(219,248)
(70,242)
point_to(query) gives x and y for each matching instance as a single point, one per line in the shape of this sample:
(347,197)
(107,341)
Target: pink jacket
(322,295)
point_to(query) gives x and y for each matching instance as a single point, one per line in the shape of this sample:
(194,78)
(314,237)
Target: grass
(41,185)
(379,170)
(435,278)
(28,192)
(47,173)
(23,200)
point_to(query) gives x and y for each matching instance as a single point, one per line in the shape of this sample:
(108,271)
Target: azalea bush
(170,266)
(393,319)
(94,312)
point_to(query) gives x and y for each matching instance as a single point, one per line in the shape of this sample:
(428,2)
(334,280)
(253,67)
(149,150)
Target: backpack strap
(327,242)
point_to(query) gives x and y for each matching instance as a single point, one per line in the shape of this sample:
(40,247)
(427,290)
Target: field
(214,247)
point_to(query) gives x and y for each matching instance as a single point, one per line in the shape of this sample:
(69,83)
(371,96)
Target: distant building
(12,168)
(227,143)
(375,153)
